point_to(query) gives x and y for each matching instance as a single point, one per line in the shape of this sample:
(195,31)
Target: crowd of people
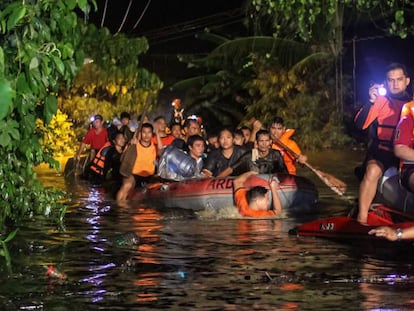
(182,150)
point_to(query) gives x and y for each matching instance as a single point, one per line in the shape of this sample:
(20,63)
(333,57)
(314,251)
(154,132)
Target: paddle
(332,182)
(130,154)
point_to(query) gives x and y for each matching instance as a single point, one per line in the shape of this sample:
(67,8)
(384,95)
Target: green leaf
(59,65)
(14,133)
(71,4)
(15,17)
(50,108)
(82,4)
(34,63)
(21,84)
(11,235)
(1,63)
(4,139)
(6,94)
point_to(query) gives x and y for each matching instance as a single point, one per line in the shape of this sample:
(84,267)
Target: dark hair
(98,117)
(277,120)
(212,134)
(125,114)
(226,129)
(158,118)
(245,127)
(188,122)
(148,126)
(193,138)
(116,135)
(394,66)
(174,124)
(238,132)
(256,192)
(262,132)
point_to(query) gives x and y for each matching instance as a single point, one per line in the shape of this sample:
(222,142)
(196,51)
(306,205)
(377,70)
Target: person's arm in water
(274,185)
(393,234)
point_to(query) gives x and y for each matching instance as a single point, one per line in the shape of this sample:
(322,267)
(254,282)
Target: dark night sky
(170,26)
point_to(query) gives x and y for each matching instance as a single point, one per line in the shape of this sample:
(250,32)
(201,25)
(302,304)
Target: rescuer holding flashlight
(381,116)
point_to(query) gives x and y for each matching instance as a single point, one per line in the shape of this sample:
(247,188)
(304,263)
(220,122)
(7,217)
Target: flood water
(187,261)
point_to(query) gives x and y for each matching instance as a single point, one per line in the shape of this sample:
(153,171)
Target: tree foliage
(39,50)
(316,19)
(110,81)
(43,46)
(265,76)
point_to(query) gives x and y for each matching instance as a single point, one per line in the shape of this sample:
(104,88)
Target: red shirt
(405,128)
(97,141)
(166,140)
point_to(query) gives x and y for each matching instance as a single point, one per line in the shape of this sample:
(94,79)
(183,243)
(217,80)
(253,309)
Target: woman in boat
(255,202)
(227,154)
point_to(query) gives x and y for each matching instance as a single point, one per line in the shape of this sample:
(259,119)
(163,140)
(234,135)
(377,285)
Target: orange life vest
(289,159)
(387,112)
(145,161)
(98,163)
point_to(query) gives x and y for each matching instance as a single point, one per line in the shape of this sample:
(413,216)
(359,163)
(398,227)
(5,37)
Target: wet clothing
(108,159)
(270,164)
(216,162)
(240,199)
(144,165)
(289,159)
(383,115)
(96,140)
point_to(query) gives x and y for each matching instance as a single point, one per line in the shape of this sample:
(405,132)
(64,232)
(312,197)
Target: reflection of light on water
(99,271)
(147,225)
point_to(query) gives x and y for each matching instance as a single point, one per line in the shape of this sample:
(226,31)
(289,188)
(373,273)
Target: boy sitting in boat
(255,202)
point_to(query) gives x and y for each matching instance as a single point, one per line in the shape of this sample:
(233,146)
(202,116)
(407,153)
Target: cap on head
(98,117)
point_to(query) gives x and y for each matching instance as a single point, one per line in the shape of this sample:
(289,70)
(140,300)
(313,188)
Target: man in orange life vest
(279,132)
(255,202)
(144,166)
(383,112)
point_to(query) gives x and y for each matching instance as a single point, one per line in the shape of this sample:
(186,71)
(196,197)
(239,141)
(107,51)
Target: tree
(39,51)
(323,22)
(264,77)
(110,81)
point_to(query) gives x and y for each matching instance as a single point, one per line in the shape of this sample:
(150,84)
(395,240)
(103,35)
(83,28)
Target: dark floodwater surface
(186,261)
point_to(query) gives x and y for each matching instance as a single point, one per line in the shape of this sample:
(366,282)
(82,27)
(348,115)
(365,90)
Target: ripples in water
(198,261)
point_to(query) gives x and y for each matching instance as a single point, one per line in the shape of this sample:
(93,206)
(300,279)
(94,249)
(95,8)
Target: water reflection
(190,261)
